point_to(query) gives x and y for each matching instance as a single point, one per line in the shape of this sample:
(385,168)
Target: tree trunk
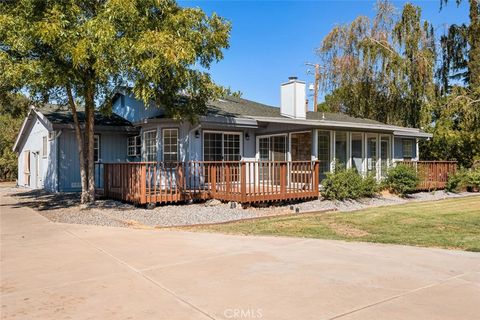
(80,145)
(89,126)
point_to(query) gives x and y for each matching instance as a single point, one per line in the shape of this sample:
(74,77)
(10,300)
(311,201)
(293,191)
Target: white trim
(144,144)
(162,156)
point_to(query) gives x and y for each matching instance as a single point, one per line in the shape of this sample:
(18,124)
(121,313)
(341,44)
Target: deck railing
(433,174)
(239,181)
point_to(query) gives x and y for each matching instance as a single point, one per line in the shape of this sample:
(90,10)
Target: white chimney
(292,99)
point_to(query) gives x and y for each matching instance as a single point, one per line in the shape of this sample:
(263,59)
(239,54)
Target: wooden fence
(239,181)
(433,174)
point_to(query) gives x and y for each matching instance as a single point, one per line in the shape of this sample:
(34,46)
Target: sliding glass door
(323,150)
(271,148)
(372,154)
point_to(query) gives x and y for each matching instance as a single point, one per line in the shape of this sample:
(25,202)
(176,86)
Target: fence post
(243,181)
(106,186)
(283,179)
(142,197)
(227,178)
(213,177)
(316,176)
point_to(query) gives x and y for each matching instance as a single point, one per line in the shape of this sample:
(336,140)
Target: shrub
(464,180)
(401,179)
(348,184)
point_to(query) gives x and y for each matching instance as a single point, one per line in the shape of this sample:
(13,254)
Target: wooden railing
(433,174)
(239,181)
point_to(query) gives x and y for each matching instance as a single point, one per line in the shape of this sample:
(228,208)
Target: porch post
(243,181)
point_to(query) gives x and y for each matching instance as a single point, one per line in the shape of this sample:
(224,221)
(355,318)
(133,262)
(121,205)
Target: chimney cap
(291,78)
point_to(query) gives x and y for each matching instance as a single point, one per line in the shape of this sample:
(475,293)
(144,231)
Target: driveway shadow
(43,200)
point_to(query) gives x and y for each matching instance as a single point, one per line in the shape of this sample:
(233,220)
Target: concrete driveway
(58,271)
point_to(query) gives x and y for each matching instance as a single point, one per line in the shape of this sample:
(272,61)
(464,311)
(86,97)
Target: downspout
(57,135)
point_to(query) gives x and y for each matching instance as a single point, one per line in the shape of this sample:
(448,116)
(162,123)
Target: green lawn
(452,223)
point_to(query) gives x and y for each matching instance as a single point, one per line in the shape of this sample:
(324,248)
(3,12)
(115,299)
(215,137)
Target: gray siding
(134,110)
(113,148)
(42,168)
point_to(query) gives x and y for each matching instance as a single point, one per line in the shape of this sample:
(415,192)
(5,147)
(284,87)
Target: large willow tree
(77,52)
(381,68)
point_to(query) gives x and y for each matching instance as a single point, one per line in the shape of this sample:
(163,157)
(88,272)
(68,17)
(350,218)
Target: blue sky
(272,40)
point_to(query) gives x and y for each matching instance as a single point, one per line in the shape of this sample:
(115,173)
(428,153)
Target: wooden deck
(239,181)
(433,174)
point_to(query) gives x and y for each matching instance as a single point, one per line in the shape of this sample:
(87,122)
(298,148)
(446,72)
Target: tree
(381,68)
(461,49)
(13,108)
(77,52)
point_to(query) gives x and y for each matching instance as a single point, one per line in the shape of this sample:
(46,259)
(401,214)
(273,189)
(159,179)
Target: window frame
(223,133)
(44,146)
(155,145)
(97,149)
(410,141)
(177,145)
(136,145)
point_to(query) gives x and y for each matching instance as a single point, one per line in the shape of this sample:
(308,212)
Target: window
(219,146)
(134,146)
(44,147)
(324,152)
(170,145)
(341,148)
(150,139)
(357,154)
(407,149)
(96,148)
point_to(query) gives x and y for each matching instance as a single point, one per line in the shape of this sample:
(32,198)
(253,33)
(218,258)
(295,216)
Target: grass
(452,224)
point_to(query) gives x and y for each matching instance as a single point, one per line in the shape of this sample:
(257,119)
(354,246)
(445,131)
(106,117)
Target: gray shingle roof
(59,115)
(239,107)
(233,106)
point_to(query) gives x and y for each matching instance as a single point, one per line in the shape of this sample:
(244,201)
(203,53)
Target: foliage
(401,179)
(78,52)
(455,127)
(461,50)
(13,108)
(382,68)
(464,180)
(348,184)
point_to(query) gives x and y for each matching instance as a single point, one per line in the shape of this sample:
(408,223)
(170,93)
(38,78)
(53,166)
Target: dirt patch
(348,231)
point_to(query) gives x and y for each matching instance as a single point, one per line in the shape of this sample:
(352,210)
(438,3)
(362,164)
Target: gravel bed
(66,208)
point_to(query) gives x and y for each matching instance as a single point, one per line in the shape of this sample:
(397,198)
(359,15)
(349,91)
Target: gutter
(396,130)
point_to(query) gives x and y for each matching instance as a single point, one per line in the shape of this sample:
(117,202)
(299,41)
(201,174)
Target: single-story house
(232,130)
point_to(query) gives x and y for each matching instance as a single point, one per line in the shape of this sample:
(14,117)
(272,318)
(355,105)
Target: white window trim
(99,159)
(289,149)
(135,146)
(44,146)
(144,145)
(163,143)
(240,134)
